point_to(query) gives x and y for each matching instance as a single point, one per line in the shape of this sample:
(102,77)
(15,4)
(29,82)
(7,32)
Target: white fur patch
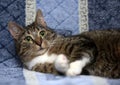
(62,63)
(41,59)
(77,66)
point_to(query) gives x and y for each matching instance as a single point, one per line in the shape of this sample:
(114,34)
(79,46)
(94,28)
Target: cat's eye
(42,33)
(28,38)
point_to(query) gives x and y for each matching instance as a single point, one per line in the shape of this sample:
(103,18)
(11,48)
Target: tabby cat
(41,49)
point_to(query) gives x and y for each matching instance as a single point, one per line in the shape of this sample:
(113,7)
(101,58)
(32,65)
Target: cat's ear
(15,29)
(39,20)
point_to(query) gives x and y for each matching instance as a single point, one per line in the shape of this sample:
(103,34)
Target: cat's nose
(38,42)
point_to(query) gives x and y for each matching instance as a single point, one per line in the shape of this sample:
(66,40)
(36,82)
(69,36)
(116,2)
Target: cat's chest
(45,58)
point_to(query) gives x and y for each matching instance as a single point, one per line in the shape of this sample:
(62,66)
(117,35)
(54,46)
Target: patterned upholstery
(10,10)
(104,14)
(60,14)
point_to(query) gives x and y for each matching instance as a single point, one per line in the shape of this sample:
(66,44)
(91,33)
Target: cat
(41,49)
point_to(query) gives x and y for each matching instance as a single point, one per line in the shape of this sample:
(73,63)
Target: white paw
(62,63)
(75,69)
(73,72)
(77,66)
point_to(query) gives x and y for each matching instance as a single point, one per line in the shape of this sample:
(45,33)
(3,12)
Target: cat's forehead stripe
(32,29)
(37,28)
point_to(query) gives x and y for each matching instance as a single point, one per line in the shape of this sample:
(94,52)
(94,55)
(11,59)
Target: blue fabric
(10,67)
(60,14)
(104,14)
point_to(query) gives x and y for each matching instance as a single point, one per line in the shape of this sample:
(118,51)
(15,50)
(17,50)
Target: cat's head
(32,40)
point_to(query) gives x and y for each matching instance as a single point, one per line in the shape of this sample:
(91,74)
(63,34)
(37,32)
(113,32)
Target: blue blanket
(66,17)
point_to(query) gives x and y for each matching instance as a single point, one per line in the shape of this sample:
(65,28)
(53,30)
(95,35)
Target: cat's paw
(74,70)
(61,63)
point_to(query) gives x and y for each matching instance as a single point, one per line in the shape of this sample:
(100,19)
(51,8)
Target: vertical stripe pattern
(30,11)
(83,15)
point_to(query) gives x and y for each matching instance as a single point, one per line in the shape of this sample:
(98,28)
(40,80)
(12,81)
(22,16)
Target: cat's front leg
(45,68)
(77,66)
(61,63)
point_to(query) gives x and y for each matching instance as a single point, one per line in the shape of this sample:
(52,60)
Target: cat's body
(41,49)
(107,62)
